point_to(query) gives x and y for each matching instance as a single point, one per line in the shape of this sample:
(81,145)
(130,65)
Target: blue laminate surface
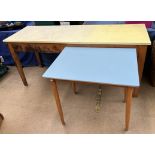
(116,66)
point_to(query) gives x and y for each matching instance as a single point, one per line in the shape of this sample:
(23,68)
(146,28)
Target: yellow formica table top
(123,34)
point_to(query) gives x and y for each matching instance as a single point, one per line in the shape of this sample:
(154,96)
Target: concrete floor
(32,109)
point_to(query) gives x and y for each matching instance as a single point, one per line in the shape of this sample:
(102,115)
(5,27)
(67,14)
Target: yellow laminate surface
(123,34)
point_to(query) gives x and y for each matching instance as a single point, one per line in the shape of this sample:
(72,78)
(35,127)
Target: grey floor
(32,109)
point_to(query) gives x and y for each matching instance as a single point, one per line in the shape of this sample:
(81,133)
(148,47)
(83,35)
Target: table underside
(56,47)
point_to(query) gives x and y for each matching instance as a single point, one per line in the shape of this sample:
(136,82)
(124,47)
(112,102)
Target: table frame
(57,47)
(128,91)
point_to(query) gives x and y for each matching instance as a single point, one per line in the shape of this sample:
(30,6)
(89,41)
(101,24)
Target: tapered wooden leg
(1,119)
(1,116)
(38,58)
(18,64)
(74,87)
(57,99)
(125,95)
(129,92)
(141,55)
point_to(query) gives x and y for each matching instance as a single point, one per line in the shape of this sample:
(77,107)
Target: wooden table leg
(1,118)
(74,87)
(57,99)
(129,92)
(38,58)
(125,94)
(141,54)
(18,64)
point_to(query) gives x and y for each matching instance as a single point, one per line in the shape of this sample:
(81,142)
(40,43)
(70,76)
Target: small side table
(108,66)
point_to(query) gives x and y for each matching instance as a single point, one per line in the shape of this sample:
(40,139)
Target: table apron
(56,47)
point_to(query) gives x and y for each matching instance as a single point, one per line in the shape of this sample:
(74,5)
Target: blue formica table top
(115,66)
